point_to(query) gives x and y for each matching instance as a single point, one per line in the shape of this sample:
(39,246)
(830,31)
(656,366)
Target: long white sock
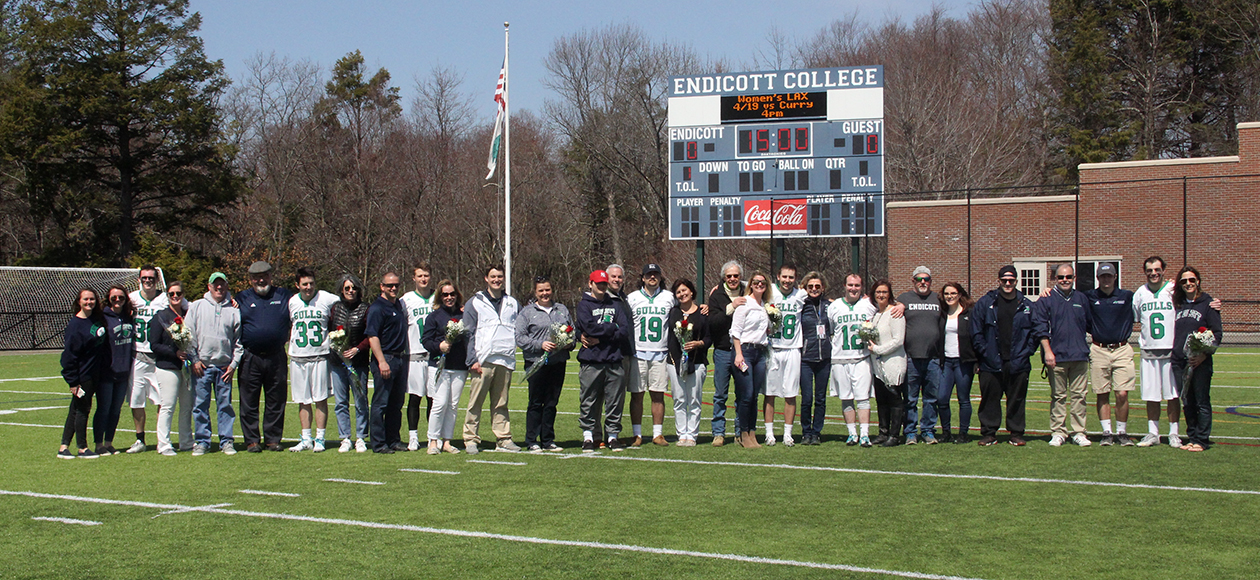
(1153,426)
(306,434)
(866,429)
(1122,427)
(787,430)
(1172,428)
(588,436)
(1106,424)
(770,428)
(638,430)
(413,434)
(319,433)
(852,428)
(657,430)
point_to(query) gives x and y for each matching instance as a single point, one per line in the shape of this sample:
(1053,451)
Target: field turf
(826,511)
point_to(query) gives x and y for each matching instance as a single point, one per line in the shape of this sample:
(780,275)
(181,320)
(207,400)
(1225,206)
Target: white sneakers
(1081,439)
(770,441)
(1174,441)
(319,445)
(788,441)
(360,446)
(413,444)
(346,445)
(1057,441)
(304,445)
(1150,440)
(227,448)
(137,447)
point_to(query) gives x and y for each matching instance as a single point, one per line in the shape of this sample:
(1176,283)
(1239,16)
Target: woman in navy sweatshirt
(83,362)
(1194,313)
(450,382)
(173,386)
(116,378)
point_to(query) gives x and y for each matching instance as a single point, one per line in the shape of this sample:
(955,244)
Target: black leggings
(413,410)
(77,417)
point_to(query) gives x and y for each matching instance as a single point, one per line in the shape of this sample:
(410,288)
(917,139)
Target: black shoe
(961,438)
(1107,440)
(399,446)
(615,444)
(889,442)
(588,447)
(1018,441)
(253,448)
(275,447)
(815,439)
(385,450)
(65,454)
(946,437)
(87,454)
(879,439)
(101,450)
(111,450)
(987,440)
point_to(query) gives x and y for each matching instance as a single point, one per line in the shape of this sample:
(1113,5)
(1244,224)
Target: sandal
(1194,447)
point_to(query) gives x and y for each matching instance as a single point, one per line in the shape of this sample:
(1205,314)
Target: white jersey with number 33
(649,313)
(1155,312)
(308,335)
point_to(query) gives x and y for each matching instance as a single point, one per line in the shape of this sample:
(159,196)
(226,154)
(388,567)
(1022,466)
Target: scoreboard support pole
(776,258)
(856,255)
(700,272)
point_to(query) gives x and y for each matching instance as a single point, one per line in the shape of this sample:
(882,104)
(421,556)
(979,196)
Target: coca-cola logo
(779,216)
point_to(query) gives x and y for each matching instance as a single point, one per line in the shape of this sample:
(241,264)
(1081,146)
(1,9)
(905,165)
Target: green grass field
(826,511)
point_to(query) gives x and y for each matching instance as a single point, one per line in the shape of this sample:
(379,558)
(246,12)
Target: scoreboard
(779,153)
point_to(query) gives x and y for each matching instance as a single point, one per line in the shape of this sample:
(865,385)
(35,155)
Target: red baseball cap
(599,276)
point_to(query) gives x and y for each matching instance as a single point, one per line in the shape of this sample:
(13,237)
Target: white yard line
(437,471)
(276,493)
(496,462)
(29,379)
(339,480)
(66,521)
(926,474)
(504,537)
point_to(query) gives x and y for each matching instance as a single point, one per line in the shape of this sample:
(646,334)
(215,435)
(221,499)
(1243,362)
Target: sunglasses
(449,294)
(174,293)
(949,294)
(1064,277)
(921,279)
(732,276)
(1154,270)
(757,283)
(1190,280)
(389,285)
(813,287)
(148,278)
(1007,280)
(349,289)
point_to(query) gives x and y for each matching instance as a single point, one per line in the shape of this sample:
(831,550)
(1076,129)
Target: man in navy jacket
(602,327)
(1002,335)
(1060,322)
(264,366)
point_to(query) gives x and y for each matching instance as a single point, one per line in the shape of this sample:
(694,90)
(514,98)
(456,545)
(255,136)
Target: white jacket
(491,333)
(888,356)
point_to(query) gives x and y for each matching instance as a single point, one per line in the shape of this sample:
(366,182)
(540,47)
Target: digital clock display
(774,107)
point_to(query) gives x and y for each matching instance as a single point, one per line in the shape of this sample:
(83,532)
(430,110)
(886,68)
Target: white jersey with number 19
(309,334)
(1155,312)
(649,314)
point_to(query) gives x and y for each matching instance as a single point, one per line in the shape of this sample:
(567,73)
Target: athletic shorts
(651,375)
(851,380)
(1157,380)
(1111,369)
(309,380)
(420,378)
(783,373)
(144,385)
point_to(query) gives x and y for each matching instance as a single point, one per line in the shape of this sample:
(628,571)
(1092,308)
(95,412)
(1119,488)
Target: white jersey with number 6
(309,334)
(846,321)
(649,313)
(1155,312)
(789,332)
(418,308)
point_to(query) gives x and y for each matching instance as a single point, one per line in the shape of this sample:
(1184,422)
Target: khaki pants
(1068,380)
(494,381)
(1111,369)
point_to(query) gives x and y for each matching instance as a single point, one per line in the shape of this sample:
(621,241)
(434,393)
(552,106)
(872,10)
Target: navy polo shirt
(388,321)
(264,319)
(1111,315)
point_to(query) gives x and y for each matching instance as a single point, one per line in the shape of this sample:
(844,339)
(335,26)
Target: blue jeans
(814,379)
(387,400)
(959,374)
(923,376)
(747,385)
(343,386)
(721,385)
(111,393)
(202,386)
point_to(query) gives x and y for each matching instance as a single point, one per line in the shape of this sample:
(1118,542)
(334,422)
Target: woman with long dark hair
(450,382)
(749,339)
(687,380)
(83,363)
(173,383)
(112,393)
(1192,368)
(958,360)
(350,367)
(888,361)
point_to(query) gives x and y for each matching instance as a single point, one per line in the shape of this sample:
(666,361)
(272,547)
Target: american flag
(501,107)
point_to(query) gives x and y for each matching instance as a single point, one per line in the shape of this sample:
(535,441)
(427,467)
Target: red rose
(454,320)
(568,329)
(340,327)
(1202,329)
(179,320)
(685,324)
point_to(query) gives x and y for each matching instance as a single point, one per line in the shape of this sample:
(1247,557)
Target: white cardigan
(888,356)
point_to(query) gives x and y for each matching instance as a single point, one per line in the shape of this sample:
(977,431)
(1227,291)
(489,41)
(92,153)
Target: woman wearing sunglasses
(1192,367)
(449,383)
(173,384)
(749,327)
(350,367)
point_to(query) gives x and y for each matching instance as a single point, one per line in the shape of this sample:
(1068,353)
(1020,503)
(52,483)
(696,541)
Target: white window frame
(1042,265)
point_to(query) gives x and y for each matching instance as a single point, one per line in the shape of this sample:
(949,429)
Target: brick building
(1202,211)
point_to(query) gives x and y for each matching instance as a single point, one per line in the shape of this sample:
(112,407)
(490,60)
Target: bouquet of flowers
(562,335)
(1201,341)
(455,332)
(776,318)
(340,343)
(180,334)
(682,330)
(868,332)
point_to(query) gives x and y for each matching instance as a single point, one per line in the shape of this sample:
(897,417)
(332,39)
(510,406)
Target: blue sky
(411,38)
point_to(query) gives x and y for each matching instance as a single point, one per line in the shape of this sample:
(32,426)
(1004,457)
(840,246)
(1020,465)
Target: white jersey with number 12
(846,321)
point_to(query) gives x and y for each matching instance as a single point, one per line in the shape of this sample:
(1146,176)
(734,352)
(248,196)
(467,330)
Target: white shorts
(1157,380)
(309,380)
(851,380)
(144,386)
(783,373)
(421,378)
(651,375)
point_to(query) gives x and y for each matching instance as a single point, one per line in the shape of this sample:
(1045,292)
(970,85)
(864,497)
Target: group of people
(774,339)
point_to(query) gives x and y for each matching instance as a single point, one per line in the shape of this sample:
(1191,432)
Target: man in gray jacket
(215,349)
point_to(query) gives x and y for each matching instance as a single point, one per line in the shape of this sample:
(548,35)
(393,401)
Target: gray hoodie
(216,332)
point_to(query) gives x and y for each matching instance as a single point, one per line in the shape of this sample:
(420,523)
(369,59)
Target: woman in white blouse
(749,327)
(888,359)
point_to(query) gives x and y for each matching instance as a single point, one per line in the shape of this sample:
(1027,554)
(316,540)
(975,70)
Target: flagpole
(507,171)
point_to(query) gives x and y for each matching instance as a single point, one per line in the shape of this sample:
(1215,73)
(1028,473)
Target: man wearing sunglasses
(386,332)
(923,369)
(148,301)
(1002,335)
(265,366)
(723,300)
(1060,322)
